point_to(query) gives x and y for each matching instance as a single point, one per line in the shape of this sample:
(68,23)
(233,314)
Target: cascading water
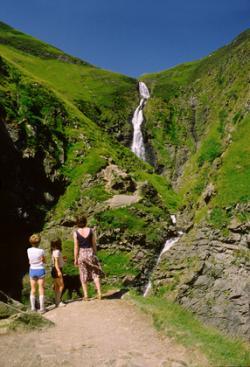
(138,144)
(173,218)
(168,244)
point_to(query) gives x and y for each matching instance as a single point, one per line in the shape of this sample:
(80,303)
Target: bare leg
(58,286)
(33,294)
(41,283)
(83,277)
(98,287)
(32,287)
(85,289)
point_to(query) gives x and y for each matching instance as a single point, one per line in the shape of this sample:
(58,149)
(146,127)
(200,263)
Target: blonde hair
(34,239)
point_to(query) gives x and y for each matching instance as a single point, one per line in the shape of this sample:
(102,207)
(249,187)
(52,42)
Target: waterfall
(137,144)
(168,244)
(173,218)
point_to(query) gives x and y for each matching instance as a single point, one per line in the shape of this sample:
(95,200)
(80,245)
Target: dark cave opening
(23,206)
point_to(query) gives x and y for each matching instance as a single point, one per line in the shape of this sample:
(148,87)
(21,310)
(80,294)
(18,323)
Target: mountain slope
(65,162)
(65,131)
(196,107)
(103,96)
(201,111)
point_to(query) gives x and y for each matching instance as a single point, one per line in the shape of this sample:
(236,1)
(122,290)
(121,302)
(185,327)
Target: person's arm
(43,258)
(76,249)
(94,242)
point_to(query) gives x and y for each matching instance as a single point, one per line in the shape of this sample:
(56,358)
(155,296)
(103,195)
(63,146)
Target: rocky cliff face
(208,272)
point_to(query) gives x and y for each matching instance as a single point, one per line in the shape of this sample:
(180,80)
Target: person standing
(36,272)
(56,272)
(85,256)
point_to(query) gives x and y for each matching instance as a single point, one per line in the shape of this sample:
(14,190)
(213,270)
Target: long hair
(81,221)
(56,245)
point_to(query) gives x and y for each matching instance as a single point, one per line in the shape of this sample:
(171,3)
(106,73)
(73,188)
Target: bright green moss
(117,263)
(233,178)
(121,218)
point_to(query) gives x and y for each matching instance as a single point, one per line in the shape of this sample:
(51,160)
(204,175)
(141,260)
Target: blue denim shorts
(37,273)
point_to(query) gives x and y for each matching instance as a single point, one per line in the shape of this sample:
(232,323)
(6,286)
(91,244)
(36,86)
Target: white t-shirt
(58,254)
(35,256)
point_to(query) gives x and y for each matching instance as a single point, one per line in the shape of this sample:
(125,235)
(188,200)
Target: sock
(41,300)
(58,298)
(33,302)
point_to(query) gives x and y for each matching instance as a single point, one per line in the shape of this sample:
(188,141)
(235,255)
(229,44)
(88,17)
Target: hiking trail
(107,333)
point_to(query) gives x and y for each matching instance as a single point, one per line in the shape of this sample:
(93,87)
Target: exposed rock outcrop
(208,272)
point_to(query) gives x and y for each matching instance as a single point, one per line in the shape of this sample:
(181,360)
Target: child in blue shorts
(36,272)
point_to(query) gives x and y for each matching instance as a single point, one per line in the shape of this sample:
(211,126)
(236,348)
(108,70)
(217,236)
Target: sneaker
(42,311)
(61,304)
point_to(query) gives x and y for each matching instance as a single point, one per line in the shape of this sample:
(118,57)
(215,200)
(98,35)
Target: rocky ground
(111,332)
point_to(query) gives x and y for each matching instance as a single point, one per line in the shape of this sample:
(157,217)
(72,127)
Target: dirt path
(107,333)
(122,200)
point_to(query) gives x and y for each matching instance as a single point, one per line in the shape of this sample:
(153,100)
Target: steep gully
(21,212)
(23,183)
(138,148)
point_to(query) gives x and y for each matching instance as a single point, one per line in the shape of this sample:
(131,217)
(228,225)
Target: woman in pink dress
(85,256)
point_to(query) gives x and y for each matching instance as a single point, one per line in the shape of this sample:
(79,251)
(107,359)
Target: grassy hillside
(65,130)
(105,97)
(72,116)
(197,129)
(201,111)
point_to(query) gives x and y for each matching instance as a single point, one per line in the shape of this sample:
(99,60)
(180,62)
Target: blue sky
(132,37)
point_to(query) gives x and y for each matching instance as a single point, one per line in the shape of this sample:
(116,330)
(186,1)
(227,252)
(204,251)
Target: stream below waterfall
(167,246)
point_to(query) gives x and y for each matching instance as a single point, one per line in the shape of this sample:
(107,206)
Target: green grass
(121,218)
(68,251)
(182,326)
(117,263)
(210,150)
(167,83)
(74,81)
(28,321)
(90,164)
(169,197)
(96,193)
(233,178)
(194,107)
(219,218)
